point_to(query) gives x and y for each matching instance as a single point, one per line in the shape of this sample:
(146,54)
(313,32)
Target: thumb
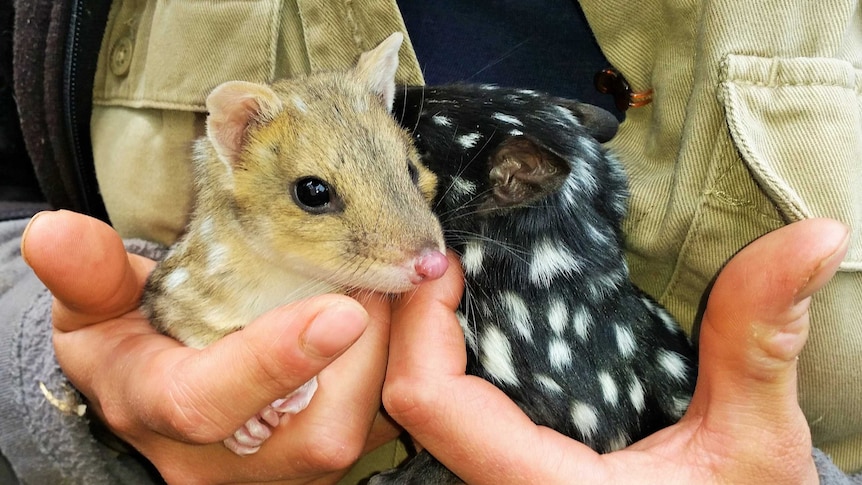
(754,327)
(229,381)
(84,264)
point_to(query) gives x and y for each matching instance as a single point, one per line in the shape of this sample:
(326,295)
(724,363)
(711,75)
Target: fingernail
(26,231)
(820,276)
(334,329)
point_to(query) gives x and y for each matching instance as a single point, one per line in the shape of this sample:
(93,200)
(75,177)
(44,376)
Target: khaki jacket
(756,121)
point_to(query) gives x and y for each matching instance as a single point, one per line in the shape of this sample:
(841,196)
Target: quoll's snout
(429,265)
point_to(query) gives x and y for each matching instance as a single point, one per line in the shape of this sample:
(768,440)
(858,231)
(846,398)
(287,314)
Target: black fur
(525,183)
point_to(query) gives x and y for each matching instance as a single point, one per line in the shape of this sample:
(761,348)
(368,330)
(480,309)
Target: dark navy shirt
(545,45)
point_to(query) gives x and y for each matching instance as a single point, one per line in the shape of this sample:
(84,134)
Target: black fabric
(545,45)
(17,179)
(43,80)
(31,57)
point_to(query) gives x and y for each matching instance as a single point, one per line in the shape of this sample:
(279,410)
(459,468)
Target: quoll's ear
(523,171)
(233,107)
(376,68)
(599,123)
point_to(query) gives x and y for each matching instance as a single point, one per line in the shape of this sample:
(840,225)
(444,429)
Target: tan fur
(250,247)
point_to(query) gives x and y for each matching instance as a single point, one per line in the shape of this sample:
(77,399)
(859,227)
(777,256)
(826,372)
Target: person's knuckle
(408,401)
(187,416)
(118,417)
(334,452)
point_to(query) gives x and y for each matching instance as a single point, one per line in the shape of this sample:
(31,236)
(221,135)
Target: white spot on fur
(496,356)
(580,180)
(568,115)
(662,314)
(609,388)
(462,186)
(585,418)
(601,286)
(673,364)
(207,228)
(441,120)
(469,140)
(636,394)
(558,316)
(559,354)
(551,260)
(176,278)
(621,441)
(507,119)
(472,258)
(597,235)
(299,104)
(582,321)
(548,383)
(625,340)
(528,92)
(469,332)
(217,257)
(488,87)
(360,105)
(519,315)
(680,405)
(515,132)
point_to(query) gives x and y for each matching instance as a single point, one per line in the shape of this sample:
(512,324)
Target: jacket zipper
(86,28)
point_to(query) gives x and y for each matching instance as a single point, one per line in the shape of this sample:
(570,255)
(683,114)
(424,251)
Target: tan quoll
(302,187)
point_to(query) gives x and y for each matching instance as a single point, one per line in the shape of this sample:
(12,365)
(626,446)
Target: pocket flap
(797,123)
(172,60)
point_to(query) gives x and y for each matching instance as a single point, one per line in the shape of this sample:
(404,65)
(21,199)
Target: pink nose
(430,266)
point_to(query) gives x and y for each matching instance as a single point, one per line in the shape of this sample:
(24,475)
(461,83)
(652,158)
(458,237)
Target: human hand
(743,425)
(175,404)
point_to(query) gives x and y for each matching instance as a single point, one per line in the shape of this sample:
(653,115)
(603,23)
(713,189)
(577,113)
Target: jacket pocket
(797,123)
(166,54)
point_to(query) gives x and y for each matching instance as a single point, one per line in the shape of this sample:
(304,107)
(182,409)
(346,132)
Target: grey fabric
(42,444)
(830,474)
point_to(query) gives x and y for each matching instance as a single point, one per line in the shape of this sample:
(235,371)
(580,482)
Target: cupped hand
(743,425)
(175,404)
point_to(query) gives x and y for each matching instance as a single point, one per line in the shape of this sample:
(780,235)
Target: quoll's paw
(297,400)
(248,439)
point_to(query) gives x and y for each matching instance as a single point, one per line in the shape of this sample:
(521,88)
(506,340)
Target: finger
(334,430)
(434,302)
(754,327)
(464,421)
(210,393)
(82,261)
(355,379)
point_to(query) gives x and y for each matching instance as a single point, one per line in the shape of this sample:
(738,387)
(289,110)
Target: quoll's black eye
(314,195)
(414,173)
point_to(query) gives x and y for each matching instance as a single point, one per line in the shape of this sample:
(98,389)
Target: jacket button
(121,56)
(610,81)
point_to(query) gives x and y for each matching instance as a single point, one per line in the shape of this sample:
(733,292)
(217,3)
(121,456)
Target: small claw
(248,439)
(241,450)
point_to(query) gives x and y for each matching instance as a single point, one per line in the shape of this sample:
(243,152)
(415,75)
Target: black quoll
(532,202)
